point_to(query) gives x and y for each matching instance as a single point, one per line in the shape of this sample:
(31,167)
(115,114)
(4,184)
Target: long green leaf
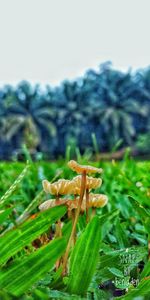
(120,235)
(46,294)
(4,214)
(21,276)
(84,258)
(4,199)
(24,234)
(143,213)
(146,270)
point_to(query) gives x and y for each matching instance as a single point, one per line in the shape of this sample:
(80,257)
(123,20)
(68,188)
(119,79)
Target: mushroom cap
(47,204)
(97,200)
(83,168)
(60,187)
(46,185)
(91,182)
(51,203)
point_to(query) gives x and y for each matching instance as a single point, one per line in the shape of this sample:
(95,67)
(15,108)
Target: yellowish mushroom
(71,204)
(60,187)
(50,203)
(91,182)
(97,200)
(83,168)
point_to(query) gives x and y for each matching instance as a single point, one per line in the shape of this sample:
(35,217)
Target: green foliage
(12,188)
(110,257)
(24,273)
(15,239)
(101,108)
(84,259)
(143,142)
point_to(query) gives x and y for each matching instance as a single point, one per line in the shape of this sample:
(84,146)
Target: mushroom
(91,182)
(50,203)
(97,200)
(83,168)
(60,187)
(71,204)
(79,186)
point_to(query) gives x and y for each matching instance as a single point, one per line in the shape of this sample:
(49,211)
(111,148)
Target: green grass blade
(146,270)
(55,294)
(142,212)
(4,199)
(120,235)
(15,239)
(34,204)
(19,278)
(4,214)
(84,258)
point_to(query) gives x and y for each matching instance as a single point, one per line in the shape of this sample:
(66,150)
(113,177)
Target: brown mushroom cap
(60,187)
(83,168)
(91,182)
(97,200)
(47,204)
(46,186)
(51,203)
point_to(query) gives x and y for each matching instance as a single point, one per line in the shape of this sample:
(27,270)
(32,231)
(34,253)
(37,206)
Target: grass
(118,236)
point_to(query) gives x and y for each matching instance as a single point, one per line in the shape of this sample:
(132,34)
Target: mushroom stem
(73,219)
(58,231)
(58,224)
(82,191)
(87,205)
(93,212)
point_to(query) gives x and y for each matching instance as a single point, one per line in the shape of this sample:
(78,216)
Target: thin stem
(58,231)
(87,206)
(58,224)
(82,191)
(73,219)
(93,212)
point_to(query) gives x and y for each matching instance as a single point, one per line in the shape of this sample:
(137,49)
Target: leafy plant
(107,104)
(110,255)
(27,116)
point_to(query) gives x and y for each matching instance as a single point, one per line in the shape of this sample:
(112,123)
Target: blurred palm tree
(69,114)
(28,117)
(113,105)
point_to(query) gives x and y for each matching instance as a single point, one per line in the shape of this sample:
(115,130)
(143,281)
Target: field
(110,258)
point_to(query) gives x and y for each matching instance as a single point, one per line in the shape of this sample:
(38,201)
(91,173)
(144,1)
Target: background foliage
(119,235)
(105,106)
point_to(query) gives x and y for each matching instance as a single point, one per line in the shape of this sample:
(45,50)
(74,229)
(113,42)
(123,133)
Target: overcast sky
(47,41)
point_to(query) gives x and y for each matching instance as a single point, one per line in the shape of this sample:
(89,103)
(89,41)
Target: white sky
(47,41)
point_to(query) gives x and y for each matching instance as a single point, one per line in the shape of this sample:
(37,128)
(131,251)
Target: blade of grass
(14,240)
(19,278)
(13,187)
(84,258)
(4,214)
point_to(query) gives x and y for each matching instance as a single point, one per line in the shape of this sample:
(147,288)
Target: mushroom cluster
(83,200)
(74,187)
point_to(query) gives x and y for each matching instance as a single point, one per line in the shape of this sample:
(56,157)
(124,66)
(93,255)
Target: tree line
(103,109)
